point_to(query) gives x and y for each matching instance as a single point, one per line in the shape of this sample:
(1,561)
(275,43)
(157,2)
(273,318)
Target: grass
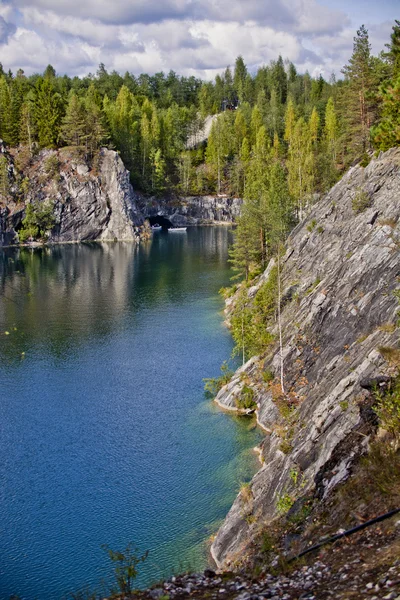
(390,354)
(311,226)
(312,287)
(246,493)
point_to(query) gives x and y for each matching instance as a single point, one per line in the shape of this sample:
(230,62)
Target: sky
(191,37)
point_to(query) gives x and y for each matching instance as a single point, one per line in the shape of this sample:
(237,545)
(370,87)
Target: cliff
(339,275)
(90,201)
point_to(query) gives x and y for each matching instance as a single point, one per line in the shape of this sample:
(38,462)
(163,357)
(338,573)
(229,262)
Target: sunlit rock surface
(341,268)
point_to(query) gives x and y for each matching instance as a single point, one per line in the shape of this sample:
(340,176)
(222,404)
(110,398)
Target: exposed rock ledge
(194,210)
(340,271)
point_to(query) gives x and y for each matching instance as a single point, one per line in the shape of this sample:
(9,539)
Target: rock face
(94,201)
(89,203)
(194,210)
(340,273)
(101,207)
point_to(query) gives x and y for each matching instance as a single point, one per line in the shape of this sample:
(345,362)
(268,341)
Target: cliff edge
(339,307)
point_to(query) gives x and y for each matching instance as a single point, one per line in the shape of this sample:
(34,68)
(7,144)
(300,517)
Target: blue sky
(192,37)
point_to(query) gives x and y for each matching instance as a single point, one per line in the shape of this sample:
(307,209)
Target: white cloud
(192,37)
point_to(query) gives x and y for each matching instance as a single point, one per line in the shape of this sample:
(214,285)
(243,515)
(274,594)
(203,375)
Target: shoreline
(107,241)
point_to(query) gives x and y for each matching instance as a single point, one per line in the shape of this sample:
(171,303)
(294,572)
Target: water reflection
(61,295)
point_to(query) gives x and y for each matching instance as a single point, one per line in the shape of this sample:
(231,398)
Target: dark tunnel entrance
(159,220)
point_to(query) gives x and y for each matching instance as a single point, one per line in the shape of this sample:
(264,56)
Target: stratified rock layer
(193,210)
(339,276)
(101,207)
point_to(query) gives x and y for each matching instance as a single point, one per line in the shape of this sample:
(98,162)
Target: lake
(106,436)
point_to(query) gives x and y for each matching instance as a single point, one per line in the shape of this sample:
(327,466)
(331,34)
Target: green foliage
(52,166)
(301,514)
(310,127)
(361,201)
(74,123)
(246,399)
(4,180)
(359,106)
(249,321)
(284,503)
(48,109)
(312,287)
(387,408)
(386,133)
(39,218)
(213,385)
(268,376)
(125,566)
(285,446)
(311,226)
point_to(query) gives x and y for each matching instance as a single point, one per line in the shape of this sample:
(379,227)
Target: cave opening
(159,220)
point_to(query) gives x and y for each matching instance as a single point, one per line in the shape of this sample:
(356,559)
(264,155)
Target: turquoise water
(106,436)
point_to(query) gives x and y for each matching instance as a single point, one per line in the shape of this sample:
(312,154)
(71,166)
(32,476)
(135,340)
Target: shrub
(284,503)
(52,167)
(311,226)
(246,493)
(285,446)
(39,218)
(268,376)
(249,321)
(126,563)
(361,201)
(387,408)
(246,399)
(212,385)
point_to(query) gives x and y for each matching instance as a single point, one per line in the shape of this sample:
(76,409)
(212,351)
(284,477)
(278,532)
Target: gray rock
(193,210)
(333,347)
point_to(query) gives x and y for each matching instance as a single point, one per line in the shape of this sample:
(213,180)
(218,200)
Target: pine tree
(290,121)
(95,128)
(244,253)
(240,130)
(275,115)
(358,105)
(279,79)
(28,132)
(387,133)
(74,123)
(239,78)
(4,179)
(393,54)
(301,167)
(5,111)
(48,113)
